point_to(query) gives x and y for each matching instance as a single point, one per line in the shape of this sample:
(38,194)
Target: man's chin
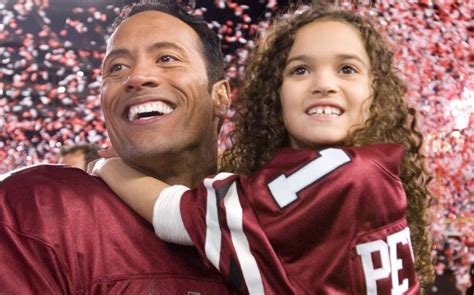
(146,160)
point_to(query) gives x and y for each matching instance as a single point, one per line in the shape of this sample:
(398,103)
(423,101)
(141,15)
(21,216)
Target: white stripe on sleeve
(167,220)
(212,246)
(248,263)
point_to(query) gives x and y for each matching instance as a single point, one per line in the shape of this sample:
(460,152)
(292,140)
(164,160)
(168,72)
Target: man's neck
(186,168)
(191,171)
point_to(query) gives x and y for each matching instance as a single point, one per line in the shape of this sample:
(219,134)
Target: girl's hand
(108,153)
(103,167)
(105,154)
(136,189)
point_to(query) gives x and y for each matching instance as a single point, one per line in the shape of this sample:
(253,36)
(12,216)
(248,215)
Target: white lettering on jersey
(284,189)
(390,263)
(372,274)
(401,237)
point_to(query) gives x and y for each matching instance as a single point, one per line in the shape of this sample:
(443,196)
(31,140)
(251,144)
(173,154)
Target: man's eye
(167,58)
(348,70)
(116,68)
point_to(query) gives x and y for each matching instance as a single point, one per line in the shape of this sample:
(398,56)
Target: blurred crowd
(50,56)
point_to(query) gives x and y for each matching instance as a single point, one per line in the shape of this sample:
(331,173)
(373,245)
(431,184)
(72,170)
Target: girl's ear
(221,97)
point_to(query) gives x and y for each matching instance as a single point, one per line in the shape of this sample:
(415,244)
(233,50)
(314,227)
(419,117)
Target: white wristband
(167,220)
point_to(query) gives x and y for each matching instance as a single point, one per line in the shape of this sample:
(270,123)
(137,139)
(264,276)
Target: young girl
(331,147)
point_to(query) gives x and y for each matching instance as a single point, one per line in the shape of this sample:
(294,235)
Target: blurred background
(51,50)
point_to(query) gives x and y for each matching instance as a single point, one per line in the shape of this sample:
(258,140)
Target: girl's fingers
(91,165)
(108,153)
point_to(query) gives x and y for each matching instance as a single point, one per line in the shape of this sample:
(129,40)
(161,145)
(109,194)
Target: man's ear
(221,97)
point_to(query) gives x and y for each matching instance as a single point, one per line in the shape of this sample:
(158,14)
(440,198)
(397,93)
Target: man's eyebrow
(155,46)
(164,44)
(341,56)
(113,53)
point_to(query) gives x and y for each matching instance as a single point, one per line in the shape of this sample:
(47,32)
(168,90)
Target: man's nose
(141,76)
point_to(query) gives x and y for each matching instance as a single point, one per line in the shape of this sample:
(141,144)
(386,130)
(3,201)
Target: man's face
(154,91)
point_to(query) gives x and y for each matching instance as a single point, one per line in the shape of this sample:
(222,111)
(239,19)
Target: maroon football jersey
(65,232)
(309,222)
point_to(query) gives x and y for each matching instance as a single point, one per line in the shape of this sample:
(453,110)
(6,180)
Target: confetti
(50,80)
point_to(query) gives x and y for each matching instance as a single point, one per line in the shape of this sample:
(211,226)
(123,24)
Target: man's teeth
(320,110)
(148,110)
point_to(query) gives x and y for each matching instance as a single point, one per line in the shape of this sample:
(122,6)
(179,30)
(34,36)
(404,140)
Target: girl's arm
(135,188)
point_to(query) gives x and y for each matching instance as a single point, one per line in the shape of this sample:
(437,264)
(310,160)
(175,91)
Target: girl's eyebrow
(344,56)
(340,56)
(301,57)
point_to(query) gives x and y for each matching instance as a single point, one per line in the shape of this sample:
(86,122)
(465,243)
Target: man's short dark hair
(210,42)
(90,151)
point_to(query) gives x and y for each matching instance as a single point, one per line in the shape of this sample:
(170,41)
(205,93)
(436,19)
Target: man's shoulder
(78,219)
(49,175)
(42,171)
(57,187)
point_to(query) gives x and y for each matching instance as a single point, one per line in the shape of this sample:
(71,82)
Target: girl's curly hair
(260,131)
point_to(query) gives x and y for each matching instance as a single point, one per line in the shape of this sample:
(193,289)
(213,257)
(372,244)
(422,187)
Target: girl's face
(326,87)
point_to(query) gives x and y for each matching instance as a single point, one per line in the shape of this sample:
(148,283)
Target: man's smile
(148,110)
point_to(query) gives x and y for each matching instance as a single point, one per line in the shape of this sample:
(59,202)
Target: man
(163,95)
(78,155)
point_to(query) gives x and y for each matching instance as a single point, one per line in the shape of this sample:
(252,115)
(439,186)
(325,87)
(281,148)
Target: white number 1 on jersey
(285,189)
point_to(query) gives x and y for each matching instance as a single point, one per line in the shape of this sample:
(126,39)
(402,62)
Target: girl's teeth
(324,111)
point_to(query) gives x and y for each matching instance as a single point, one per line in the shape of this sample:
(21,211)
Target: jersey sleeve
(224,228)
(167,219)
(388,157)
(28,265)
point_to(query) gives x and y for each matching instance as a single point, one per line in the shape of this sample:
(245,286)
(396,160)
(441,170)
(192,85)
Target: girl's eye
(299,71)
(348,70)
(167,58)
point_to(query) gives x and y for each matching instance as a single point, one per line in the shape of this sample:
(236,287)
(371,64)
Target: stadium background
(50,54)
